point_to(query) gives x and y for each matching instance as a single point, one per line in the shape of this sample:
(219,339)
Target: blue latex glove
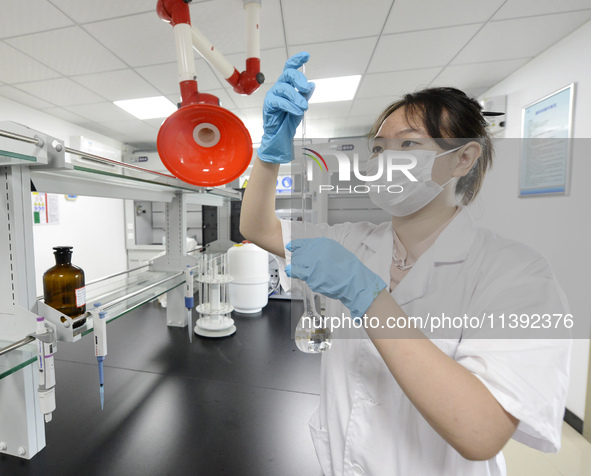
(330,269)
(283,109)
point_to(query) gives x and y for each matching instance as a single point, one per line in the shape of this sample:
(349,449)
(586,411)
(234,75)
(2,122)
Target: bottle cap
(62,249)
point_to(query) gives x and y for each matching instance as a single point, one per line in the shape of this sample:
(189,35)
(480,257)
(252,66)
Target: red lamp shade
(204,145)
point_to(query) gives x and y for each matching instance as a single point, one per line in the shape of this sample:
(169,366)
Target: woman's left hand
(330,269)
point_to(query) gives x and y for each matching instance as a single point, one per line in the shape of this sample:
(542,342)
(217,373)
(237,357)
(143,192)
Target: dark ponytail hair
(453,119)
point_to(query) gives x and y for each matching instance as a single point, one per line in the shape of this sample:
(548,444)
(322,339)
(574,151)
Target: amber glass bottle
(63,285)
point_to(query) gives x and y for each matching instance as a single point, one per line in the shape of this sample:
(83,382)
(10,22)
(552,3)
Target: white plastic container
(249,267)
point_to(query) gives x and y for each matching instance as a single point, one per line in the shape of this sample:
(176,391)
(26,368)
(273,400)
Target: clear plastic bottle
(63,285)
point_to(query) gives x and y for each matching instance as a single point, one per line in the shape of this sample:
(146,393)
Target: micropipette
(47,341)
(189,301)
(100,346)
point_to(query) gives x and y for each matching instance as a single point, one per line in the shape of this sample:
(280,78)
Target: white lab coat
(365,424)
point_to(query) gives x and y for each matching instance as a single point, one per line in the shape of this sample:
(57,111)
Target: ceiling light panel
(335,89)
(147,108)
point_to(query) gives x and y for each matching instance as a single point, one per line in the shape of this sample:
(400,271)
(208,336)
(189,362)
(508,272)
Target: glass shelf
(118,295)
(114,183)
(123,293)
(17,359)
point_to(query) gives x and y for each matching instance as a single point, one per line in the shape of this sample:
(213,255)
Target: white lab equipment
(46,342)
(99,323)
(249,267)
(213,279)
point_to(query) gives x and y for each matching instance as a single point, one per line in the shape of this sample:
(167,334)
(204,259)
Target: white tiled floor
(573,459)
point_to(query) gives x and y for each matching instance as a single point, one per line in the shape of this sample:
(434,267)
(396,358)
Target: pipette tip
(102,391)
(190,326)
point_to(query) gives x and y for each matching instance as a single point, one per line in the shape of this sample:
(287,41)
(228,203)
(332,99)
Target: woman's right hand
(283,109)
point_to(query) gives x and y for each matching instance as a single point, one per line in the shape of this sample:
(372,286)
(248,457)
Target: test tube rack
(214,307)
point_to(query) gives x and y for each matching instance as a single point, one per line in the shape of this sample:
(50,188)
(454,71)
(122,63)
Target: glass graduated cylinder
(311,335)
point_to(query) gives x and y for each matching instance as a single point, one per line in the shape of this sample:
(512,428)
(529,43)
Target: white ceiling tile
(100,112)
(478,75)
(368,107)
(256,99)
(68,50)
(362,124)
(164,77)
(134,128)
(65,115)
(411,15)
(337,58)
(390,86)
(223,22)
(328,110)
(22,68)
(423,49)
(252,114)
(155,123)
(22,97)
(139,136)
(139,40)
(323,128)
(476,92)
(117,85)
(100,128)
(528,8)
(23,17)
(522,38)
(174,98)
(84,11)
(61,92)
(313,21)
(358,126)
(225,100)
(420,38)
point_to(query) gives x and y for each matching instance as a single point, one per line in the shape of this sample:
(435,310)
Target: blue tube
(100,366)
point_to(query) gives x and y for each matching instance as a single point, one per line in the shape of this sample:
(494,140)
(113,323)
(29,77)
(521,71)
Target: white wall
(558,227)
(93,226)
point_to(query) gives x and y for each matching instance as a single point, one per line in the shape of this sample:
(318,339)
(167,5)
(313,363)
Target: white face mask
(400,196)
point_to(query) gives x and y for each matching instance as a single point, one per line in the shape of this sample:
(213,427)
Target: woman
(398,403)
